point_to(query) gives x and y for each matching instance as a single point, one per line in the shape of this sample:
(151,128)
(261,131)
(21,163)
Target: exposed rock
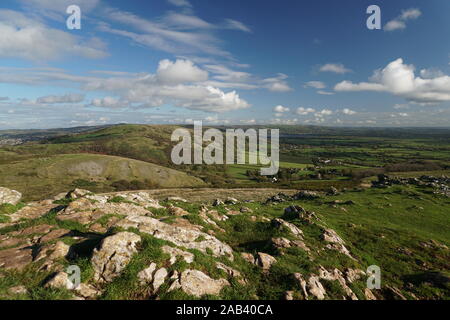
(333,191)
(248,257)
(175,252)
(294,209)
(87,291)
(306,195)
(176,199)
(9,196)
(32,211)
(146,275)
(114,254)
(6,242)
(60,280)
(246,210)
(142,198)
(84,211)
(54,234)
(369,295)
(217,202)
(179,236)
(300,244)
(312,286)
(354,274)
(51,253)
(77,193)
(281,243)
(196,283)
(231,201)
(336,275)
(16,258)
(231,272)
(175,211)
(289,295)
(265,260)
(97,227)
(280,223)
(329,235)
(17,290)
(159,278)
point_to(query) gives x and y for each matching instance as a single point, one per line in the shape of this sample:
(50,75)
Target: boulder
(311,287)
(9,196)
(159,278)
(280,224)
(176,211)
(146,275)
(180,236)
(265,260)
(17,290)
(196,283)
(16,258)
(77,193)
(113,255)
(60,280)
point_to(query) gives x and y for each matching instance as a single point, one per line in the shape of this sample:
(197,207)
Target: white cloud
(67,98)
(315,84)
(399,79)
(186,21)
(324,112)
(325,93)
(180,71)
(108,102)
(399,23)
(348,111)
(236,25)
(281,109)
(27,38)
(277,84)
(305,111)
(335,68)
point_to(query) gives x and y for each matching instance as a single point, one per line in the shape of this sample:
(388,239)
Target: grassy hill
(46,176)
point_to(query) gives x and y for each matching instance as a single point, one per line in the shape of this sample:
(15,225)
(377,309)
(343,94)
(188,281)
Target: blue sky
(224,62)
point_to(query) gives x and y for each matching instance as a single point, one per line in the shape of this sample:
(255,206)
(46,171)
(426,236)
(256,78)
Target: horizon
(224,63)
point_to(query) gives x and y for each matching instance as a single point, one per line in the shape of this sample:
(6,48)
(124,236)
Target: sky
(225,62)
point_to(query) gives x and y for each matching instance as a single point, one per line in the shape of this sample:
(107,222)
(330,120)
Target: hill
(47,176)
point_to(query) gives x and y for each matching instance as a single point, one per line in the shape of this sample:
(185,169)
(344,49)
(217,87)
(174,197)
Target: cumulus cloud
(399,79)
(180,71)
(28,38)
(348,111)
(399,23)
(305,111)
(335,68)
(67,98)
(281,109)
(277,84)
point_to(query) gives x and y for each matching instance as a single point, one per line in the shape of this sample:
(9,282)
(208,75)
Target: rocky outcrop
(264,260)
(114,254)
(178,253)
(182,237)
(196,283)
(9,196)
(312,286)
(280,224)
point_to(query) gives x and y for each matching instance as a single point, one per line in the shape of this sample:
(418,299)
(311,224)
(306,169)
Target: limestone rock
(87,291)
(77,193)
(175,252)
(9,196)
(175,211)
(280,223)
(265,260)
(146,275)
(311,286)
(179,236)
(17,290)
(159,278)
(196,283)
(369,295)
(176,199)
(336,275)
(114,254)
(16,258)
(248,257)
(60,280)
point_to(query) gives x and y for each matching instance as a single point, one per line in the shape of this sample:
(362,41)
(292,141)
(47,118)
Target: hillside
(262,245)
(41,177)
